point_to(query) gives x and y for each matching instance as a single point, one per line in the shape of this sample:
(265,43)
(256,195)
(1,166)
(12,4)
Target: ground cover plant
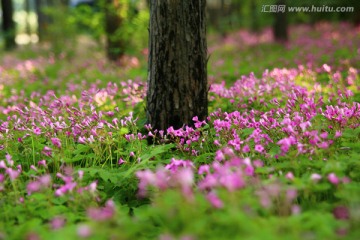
(277,158)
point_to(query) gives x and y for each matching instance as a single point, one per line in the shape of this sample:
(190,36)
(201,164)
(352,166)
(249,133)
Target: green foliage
(61,32)
(100,173)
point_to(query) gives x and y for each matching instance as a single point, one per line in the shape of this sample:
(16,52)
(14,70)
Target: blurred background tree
(280,25)
(8,24)
(124,20)
(115,15)
(120,26)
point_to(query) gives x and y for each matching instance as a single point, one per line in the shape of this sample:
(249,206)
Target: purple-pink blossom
(56,142)
(333,179)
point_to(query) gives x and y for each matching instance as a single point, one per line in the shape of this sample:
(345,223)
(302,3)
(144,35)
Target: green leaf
(76,158)
(82,148)
(156,150)
(204,158)
(124,131)
(274,150)
(246,132)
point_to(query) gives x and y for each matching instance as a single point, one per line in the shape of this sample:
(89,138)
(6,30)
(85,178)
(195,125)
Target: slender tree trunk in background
(27,24)
(356,13)
(280,27)
(177,77)
(8,24)
(41,19)
(223,14)
(114,44)
(254,18)
(356,20)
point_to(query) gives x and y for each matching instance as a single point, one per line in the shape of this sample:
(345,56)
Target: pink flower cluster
(8,171)
(41,179)
(103,213)
(71,184)
(231,175)
(178,173)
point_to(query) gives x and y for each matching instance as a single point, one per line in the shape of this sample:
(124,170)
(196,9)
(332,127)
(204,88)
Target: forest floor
(277,158)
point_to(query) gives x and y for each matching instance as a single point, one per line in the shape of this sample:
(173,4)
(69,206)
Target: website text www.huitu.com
(308,9)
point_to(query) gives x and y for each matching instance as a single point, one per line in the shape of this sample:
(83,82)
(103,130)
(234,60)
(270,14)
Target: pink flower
(208,182)
(92,187)
(214,200)
(174,165)
(185,178)
(341,212)
(147,178)
(249,170)
(102,214)
(345,180)
(289,176)
(265,199)
(258,163)
(56,142)
(121,161)
(204,169)
(13,174)
(305,125)
(2,178)
(83,231)
(3,164)
(259,148)
(81,174)
(327,68)
(57,222)
(45,180)
(67,187)
(232,181)
(47,151)
(338,134)
(323,145)
(315,177)
(216,142)
(324,135)
(42,163)
(33,187)
(295,210)
(82,140)
(291,194)
(33,168)
(333,178)
(148,127)
(219,156)
(37,131)
(246,149)
(9,159)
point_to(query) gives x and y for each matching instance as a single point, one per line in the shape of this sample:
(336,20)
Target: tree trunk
(41,19)
(27,23)
(8,24)
(114,43)
(254,17)
(280,28)
(177,77)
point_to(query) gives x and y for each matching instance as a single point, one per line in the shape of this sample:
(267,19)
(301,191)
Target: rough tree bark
(177,77)
(8,24)
(280,27)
